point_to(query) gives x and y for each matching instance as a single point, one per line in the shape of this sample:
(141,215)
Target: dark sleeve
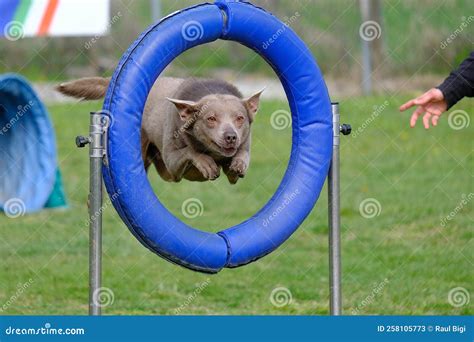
(460,82)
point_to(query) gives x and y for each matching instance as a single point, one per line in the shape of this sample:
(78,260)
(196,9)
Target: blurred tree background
(411,32)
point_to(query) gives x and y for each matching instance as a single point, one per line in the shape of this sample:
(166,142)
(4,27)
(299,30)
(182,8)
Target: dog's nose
(230,137)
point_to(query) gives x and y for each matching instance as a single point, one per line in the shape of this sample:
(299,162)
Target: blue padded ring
(125,177)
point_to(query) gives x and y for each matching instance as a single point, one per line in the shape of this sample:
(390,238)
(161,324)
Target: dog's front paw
(238,167)
(207,166)
(237,170)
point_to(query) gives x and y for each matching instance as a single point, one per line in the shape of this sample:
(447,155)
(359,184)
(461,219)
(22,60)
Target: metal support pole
(365,9)
(366,68)
(334,219)
(96,141)
(155,10)
(335,305)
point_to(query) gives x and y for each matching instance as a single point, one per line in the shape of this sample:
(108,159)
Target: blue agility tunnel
(126,180)
(30,178)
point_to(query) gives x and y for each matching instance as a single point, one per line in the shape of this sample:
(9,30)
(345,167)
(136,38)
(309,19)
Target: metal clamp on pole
(97,152)
(335,305)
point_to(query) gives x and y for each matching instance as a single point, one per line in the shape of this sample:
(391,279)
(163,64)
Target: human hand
(432,103)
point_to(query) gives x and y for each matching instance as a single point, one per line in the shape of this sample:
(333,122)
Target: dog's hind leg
(145,144)
(151,155)
(154,156)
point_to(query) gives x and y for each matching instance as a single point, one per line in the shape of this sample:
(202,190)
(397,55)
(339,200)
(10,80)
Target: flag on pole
(33,18)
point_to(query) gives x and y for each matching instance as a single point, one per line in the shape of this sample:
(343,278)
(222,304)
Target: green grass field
(403,261)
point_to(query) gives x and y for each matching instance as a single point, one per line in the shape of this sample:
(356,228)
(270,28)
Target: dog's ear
(252,104)
(186,109)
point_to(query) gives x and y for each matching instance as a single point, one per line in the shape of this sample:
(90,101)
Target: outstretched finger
(424,99)
(434,120)
(416,114)
(426,120)
(407,105)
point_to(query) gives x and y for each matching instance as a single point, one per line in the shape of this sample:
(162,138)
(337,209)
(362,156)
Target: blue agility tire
(124,174)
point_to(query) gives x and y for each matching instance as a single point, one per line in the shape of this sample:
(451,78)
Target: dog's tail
(90,88)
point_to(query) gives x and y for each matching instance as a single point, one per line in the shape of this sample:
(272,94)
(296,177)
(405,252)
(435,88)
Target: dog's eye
(212,119)
(240,118)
